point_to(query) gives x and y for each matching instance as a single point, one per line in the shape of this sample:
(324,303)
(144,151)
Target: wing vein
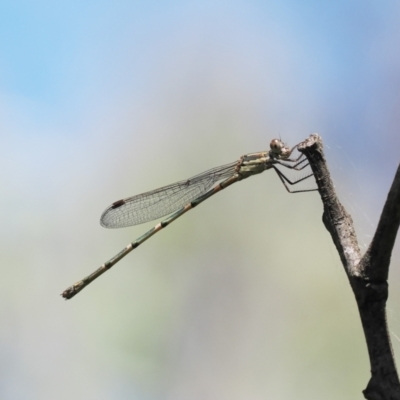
(163,201)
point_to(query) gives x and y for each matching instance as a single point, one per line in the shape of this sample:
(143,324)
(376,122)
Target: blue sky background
(243,298)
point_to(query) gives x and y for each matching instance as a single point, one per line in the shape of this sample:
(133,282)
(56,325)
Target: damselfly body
(182,196)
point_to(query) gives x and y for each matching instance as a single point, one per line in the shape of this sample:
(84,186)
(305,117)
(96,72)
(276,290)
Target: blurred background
(242,298)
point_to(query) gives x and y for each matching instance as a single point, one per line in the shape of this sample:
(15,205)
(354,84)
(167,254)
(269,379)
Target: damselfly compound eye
(276,145)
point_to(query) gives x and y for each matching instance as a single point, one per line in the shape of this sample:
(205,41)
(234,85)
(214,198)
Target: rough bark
(367,274)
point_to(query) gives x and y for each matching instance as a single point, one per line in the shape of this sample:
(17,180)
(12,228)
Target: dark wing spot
(117,204)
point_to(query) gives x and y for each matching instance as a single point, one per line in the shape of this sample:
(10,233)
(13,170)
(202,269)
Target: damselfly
(182,196)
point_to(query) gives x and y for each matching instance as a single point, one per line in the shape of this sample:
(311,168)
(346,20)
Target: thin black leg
(285,180)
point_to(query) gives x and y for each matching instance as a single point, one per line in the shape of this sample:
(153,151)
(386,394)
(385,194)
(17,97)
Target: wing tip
(104,222)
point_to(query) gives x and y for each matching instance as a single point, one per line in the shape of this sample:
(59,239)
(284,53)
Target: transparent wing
(163,201)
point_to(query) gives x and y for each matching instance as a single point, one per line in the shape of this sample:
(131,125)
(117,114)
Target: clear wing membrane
(163,201)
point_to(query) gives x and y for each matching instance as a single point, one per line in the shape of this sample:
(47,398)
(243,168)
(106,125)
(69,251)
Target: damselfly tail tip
(67,293)
(70,292)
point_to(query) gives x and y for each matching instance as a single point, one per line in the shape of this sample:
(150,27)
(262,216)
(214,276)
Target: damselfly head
(278,148)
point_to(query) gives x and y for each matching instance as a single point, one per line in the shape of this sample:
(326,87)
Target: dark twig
(367,274)
(376,260)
